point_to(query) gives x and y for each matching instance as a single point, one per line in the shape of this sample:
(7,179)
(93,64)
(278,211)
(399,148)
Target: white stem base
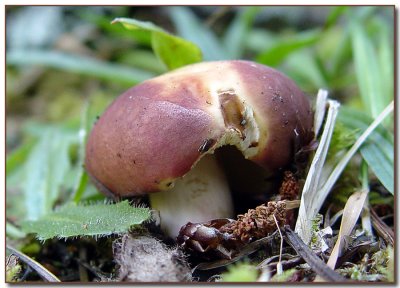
(201,195)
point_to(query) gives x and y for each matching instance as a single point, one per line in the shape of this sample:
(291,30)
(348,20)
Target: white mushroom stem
(201,195)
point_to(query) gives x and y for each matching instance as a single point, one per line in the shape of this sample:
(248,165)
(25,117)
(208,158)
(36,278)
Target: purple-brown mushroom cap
(155,132)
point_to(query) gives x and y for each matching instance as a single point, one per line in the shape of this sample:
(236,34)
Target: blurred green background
(65,64)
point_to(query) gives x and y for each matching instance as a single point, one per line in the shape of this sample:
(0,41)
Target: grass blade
(79,64)
(82,178)
(368,73)
(378,150)
(309,206)
(351,213)
(327,186)
(304,68)
(13,231)
(315,193)
(334,15)
(234,38)
(17,157)
(386,63)
(276,54)
(45,170)
(189,27)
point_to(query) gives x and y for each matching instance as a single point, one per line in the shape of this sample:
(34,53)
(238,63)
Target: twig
(382,228)
(286,264)
(350,253)
(43,272)
(309,256)
(267,262)
(247,250)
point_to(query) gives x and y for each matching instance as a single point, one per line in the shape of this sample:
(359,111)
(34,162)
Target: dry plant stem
(311,258)
(350,253)
(366,218)
(343,162)
(320,106)
(287,264)
(310,203)
(382,229)
(247,250)
(43,272)
(351,213)
(279,264)
(315,193)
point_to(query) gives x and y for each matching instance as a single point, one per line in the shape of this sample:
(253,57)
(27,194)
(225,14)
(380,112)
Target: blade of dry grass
(351,213)
(346,158)
(315,193)
(320,109)
(308,209)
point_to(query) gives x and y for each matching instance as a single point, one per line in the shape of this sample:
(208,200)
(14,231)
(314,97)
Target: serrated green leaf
(98,219)
(378,151)
(173,51)
(188,26)
(79,64)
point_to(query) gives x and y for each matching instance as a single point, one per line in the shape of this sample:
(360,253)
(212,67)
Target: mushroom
(161,135)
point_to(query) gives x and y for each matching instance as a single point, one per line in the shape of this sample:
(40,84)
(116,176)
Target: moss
(241,272)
